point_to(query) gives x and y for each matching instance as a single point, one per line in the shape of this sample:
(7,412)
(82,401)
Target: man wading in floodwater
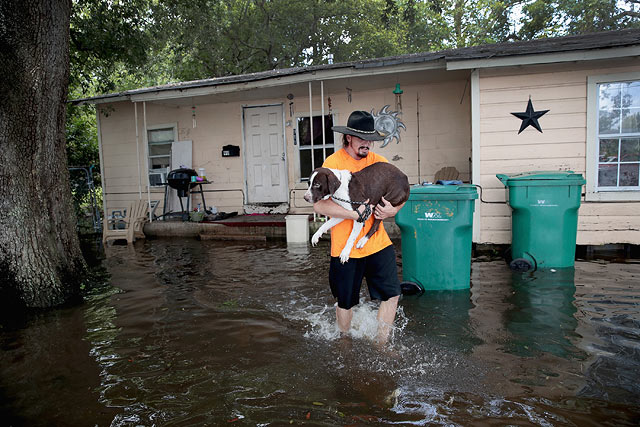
(376,261)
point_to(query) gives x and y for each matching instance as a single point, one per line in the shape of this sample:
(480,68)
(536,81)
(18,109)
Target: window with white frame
(160,140)
(318,150)
(613,163)
(618,135)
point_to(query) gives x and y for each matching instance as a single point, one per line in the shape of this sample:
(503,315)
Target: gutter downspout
(418,134)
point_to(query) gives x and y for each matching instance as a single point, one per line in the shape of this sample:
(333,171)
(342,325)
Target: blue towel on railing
(451,182)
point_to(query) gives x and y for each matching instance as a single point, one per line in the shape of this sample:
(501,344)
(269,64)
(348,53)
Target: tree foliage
(110,42)
(118,44)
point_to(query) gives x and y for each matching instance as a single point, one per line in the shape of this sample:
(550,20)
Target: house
(252,133)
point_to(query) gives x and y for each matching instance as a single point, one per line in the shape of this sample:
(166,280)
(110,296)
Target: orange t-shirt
(340,233)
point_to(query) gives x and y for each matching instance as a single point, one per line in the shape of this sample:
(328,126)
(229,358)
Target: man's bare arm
(332,209)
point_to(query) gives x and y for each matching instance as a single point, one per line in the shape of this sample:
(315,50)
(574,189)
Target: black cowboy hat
(360,124)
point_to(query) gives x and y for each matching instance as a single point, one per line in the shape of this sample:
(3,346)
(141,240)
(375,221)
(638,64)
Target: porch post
(135,114)
(101,157)
(324,149)
(146,155)
(311,127)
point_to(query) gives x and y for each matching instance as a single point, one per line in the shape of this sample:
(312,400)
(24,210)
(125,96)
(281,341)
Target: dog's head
(322,184)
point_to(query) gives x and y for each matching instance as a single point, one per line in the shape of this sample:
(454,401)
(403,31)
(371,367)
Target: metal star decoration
(530,117)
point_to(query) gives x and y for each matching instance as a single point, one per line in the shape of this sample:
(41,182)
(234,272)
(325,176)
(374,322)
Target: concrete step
(225,232)
(267,228)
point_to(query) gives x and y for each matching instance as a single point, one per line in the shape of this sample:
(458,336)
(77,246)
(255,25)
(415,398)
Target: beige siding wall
(435,115)
(217,125)
(443,110)
(561,146)
(118,145)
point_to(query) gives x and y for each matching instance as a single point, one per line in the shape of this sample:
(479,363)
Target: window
(613,140)
(318,151)
(618,135)
(160,140)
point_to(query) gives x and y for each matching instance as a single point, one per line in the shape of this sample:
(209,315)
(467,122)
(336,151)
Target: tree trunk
(458,14)
(41,264)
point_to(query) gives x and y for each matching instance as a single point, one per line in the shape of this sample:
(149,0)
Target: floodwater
(181,332)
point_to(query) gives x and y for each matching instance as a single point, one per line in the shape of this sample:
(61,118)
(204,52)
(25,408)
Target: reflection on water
(207,333)
(443,317)
(541,318)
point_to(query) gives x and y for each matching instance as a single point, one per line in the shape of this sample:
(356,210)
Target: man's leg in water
(386,316)
(345,281)
(343,318)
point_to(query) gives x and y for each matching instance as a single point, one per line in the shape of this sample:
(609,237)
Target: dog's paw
(362,242)
(316,237)
(344,256)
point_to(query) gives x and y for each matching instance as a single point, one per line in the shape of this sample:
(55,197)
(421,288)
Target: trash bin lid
(541,178)
(443,192)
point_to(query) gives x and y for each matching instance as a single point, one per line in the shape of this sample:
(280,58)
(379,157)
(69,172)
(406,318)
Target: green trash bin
(544,219)
(436,227)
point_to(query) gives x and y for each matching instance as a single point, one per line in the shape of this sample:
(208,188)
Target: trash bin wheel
(411,288)
(521,264)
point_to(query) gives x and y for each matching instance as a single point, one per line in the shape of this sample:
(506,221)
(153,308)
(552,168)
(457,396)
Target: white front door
(265,155)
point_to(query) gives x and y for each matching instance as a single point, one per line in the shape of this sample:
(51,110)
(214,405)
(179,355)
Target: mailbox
(230,151)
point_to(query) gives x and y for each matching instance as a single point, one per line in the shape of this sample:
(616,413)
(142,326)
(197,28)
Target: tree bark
(41,264)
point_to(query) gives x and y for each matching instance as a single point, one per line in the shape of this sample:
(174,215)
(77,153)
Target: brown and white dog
(350,190)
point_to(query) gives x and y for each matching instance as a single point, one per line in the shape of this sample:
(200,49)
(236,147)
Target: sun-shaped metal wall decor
(388,124)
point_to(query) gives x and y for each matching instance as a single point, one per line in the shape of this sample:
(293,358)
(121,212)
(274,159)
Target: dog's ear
(333,183)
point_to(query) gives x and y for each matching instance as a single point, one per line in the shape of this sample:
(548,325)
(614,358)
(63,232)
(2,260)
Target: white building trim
(475,148)
(545,58)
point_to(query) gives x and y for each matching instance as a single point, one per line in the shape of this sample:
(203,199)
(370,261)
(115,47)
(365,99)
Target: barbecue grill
(180,179)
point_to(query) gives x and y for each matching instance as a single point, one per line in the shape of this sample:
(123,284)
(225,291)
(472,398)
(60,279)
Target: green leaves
(104,35)
(117,44)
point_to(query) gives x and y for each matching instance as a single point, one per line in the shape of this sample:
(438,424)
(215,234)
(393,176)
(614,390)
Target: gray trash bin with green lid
(436,227)
(544,219)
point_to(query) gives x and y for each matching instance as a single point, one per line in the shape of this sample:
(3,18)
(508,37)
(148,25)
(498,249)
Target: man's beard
(361,155)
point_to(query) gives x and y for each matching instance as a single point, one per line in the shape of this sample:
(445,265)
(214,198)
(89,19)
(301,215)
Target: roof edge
(544,58)
(585,47)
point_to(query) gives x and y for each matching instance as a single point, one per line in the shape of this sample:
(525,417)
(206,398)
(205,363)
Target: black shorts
(379,269)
